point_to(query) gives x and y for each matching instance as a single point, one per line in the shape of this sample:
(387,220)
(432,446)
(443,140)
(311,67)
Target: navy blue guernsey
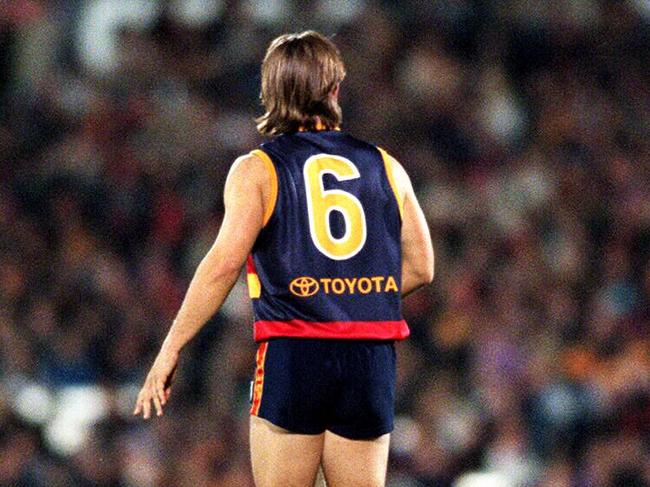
(327,263)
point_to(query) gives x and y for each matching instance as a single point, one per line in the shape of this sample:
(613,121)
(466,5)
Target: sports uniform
(324,276)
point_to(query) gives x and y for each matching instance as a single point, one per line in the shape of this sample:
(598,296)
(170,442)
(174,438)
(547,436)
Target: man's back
(328,262)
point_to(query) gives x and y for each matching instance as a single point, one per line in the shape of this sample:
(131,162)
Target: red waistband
(345,330)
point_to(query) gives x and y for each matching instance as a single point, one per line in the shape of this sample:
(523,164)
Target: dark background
(525,128)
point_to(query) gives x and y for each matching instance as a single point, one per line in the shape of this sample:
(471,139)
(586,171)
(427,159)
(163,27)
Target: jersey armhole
(273,196)
(391,180)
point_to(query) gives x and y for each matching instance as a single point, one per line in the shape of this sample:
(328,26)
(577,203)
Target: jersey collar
(320,126)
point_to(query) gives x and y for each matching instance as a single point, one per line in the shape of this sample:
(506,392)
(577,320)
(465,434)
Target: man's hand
(157,385)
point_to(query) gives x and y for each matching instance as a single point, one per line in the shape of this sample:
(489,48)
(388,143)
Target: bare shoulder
(249,169)
(253,177)
(402,180)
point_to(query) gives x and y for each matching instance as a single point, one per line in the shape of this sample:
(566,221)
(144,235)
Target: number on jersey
(321,202)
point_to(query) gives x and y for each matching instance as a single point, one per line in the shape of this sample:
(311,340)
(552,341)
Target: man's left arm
(245,201)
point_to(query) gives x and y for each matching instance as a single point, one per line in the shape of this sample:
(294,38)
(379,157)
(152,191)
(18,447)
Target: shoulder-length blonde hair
(300,75)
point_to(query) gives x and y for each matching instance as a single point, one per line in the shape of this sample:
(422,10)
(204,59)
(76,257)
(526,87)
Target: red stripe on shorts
(258,384)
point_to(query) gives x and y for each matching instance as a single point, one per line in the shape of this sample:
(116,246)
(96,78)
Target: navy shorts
(308,386)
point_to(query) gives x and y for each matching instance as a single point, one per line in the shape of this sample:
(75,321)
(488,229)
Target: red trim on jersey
(346,330)
(250,265)
(258,384)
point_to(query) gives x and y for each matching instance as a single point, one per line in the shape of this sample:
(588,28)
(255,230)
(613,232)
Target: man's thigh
(355,463)
(281,458)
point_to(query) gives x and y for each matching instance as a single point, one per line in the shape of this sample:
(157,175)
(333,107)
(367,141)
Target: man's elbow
(421,274)
(217,269)
(427,274)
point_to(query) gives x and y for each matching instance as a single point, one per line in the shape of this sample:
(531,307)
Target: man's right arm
(417,250)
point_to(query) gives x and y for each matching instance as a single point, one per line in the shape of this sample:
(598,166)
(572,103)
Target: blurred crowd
(525,126)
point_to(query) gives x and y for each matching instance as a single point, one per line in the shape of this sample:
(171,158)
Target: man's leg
(355,463)
(281,458)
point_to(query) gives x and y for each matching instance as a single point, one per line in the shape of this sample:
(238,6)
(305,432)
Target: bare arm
(221,266)
(246,198)
(417,250)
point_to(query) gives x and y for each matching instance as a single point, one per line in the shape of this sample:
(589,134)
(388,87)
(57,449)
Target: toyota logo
(304,286)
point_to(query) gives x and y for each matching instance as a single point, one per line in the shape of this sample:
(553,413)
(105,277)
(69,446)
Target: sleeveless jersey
(327,263)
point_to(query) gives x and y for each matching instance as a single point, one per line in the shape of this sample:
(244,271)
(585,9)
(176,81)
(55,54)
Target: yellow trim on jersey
(273,197)
(391,180)
(254,286)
